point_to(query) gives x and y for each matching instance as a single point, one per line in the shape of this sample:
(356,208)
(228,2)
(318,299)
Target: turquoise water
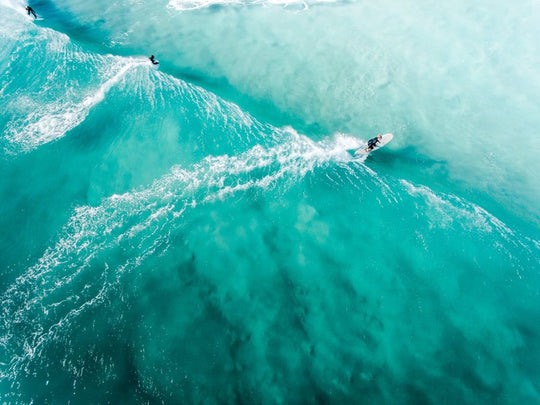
(199,233)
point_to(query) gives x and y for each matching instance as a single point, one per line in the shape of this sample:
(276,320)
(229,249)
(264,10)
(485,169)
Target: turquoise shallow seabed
(200,233)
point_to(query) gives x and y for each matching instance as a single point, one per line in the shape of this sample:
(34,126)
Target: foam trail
(450,211)
(253,260)
(52,121)
(139,222)
(17,6)
(56,96)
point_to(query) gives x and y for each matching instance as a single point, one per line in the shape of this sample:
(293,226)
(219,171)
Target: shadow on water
(407,155)
(408,163)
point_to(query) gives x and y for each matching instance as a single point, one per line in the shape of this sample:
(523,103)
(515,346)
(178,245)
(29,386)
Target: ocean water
(200,233)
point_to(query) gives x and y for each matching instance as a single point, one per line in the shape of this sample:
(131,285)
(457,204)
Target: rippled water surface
(201,232)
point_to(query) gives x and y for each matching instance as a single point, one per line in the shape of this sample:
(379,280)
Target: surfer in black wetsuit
(373,142)
(155,62)
(30,10)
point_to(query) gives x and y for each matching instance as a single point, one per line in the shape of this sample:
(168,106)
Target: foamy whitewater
(201,233)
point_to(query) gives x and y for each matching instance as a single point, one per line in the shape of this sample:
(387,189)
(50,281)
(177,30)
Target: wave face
(201,232)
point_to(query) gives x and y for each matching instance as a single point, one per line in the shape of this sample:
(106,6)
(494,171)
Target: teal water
(199,233)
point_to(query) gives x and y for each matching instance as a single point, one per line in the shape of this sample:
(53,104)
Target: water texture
(201,232)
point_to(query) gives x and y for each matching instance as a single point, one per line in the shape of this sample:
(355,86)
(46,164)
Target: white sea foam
(51,121)
(17,6)
(193,5)
(184,5)
(139,222)
(45,106)
(449,210)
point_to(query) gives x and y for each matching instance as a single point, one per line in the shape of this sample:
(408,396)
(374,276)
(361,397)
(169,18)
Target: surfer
(373,142)
(155,62)
(30,10)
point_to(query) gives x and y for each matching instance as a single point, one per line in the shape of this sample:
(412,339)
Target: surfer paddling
(31,11)
(153,60)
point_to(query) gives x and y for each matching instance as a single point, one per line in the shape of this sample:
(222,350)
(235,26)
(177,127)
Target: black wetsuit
(155,62)
(372,143)
(30,10)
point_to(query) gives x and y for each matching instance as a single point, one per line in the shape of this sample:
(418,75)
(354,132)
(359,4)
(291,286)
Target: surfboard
(154,65)
(364,151)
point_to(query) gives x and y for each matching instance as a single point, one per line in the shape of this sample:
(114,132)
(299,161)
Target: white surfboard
(364,151)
